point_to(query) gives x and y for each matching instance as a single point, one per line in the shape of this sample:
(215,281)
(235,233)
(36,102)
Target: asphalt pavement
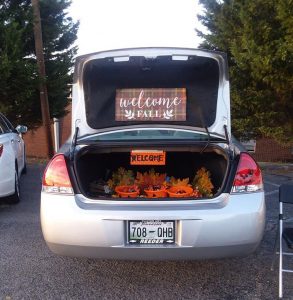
(28,270)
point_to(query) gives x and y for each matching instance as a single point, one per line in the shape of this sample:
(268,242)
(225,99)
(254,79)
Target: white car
(162,114)
(12,159)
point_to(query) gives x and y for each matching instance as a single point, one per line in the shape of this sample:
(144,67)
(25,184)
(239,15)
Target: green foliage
(258,38)
(18,72)
(59,34)
(19,95)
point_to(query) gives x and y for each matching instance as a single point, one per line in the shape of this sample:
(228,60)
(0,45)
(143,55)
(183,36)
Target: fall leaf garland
(151,180)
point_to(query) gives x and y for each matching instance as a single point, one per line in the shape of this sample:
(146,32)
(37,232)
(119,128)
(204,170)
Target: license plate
(151,232)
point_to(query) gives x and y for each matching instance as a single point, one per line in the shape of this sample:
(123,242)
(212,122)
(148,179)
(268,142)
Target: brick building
(265,150)
(271,151)
(35,141)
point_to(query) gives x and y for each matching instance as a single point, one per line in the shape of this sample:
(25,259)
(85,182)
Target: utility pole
(42,73)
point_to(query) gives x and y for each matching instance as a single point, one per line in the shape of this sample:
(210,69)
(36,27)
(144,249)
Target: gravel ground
(28,270)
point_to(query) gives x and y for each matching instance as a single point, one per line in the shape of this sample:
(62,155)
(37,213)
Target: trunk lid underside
(198,77)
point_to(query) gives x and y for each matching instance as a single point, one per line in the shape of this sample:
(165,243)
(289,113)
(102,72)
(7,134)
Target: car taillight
(56,178)
(1,149)
(248,177)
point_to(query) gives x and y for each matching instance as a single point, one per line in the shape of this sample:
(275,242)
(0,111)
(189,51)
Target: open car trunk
(94,167)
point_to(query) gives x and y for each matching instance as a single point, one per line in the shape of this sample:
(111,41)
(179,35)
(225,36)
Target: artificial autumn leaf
(143,180)
(150,180)
(179,182)
(202,182)
(121,177)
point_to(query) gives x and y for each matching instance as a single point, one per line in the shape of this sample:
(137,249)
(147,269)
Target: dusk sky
(114,24)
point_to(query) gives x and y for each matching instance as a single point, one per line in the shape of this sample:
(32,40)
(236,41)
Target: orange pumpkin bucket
(162,193)
(126,191)
(180,191)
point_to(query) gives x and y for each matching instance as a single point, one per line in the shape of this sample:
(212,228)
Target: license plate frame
(157,232)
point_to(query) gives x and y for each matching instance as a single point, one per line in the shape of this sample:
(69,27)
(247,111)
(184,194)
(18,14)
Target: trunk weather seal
(83,140)
(201,130)
(143,143)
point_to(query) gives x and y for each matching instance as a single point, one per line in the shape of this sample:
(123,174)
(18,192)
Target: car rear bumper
(151,253)
(224,227)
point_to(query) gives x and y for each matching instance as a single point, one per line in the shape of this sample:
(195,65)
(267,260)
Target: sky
(115,24)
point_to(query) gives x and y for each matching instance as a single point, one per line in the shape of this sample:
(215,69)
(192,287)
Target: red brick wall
(65,127)
(35,141)
(270,151)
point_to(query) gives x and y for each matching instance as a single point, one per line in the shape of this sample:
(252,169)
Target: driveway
(28,270)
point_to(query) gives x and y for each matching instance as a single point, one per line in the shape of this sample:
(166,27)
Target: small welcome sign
(155,104)
(148,157)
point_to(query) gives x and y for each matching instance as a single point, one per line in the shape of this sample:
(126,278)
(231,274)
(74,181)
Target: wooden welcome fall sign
(164,104)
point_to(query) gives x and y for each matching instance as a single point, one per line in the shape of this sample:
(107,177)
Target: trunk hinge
(73,144)
(227,135)
(208,142)
(228,139)
(202,120)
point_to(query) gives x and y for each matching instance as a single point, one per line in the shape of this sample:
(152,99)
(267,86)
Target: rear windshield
(196,78)
(150,134)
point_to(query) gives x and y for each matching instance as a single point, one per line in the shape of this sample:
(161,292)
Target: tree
(258,38)
(17,69)
(19,96)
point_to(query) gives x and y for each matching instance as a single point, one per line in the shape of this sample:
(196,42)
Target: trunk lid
(149,87)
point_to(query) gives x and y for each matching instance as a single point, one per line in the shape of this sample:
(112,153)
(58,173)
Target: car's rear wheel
(15,198)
